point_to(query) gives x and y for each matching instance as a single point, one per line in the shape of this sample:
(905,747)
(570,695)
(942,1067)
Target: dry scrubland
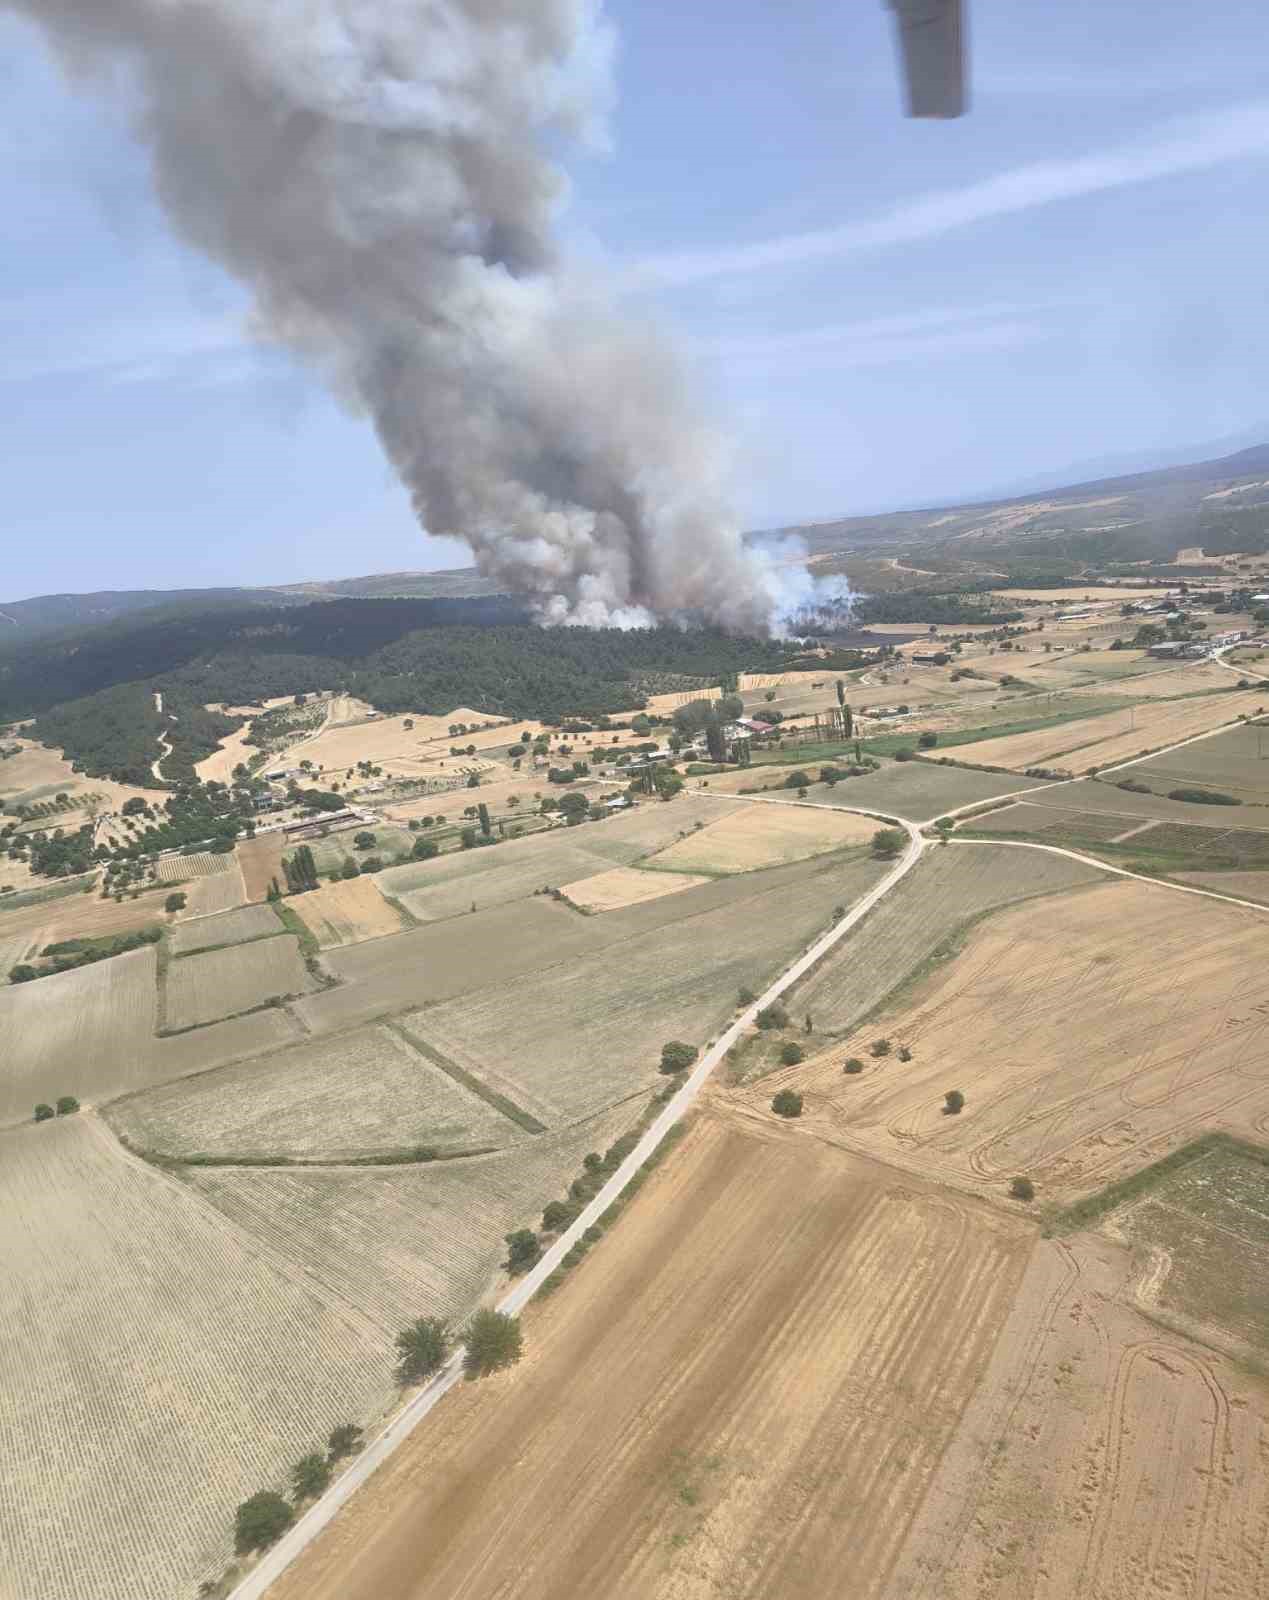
(346,913)
(355,1094)
(625,886)
(223,983)
(1090,1034)
(228,927)
(577,1036)
(749,1387)
(754,836)
(1114,736)
(162,1367)
(406,1241)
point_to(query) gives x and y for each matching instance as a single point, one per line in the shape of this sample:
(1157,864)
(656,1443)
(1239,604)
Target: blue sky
(882,312)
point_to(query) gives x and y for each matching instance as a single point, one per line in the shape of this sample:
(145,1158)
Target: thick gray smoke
(377,172)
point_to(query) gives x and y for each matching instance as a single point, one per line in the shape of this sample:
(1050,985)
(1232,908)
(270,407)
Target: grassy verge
(451,1069)
(405,1156)
(1095,1206)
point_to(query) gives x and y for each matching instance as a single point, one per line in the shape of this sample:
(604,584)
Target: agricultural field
(260,861)
(1252,885)
(347,912)
(223,983)
(1090,1033)
(1115,736)
(39,773)
(791,1372)
(209,882)
(405,1241)
(350,1095)
(89,1033)
(916,790)
(671,969)
(163,1366)
(1235,762)
(227,927)
(935,905)
(755,835)
(625,886)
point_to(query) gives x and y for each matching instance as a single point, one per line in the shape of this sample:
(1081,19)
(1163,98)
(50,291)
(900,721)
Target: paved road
(288,1549)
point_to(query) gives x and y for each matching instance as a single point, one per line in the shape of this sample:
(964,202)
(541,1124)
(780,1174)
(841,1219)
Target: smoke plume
(379,174)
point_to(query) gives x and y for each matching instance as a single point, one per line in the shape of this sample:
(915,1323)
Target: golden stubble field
(1090,1032)
(757,834)
(347,912)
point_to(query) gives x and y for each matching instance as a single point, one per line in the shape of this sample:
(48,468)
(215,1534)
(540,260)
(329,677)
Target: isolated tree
(928,739)
(364,840)
(261,1521)
(309,1476)
(852,1065)
(904,1053)
(345,1440)
(791,1054)
(557,1216)
(879,1047)
(848,726)
(422,1349)
(482,811)
(841,692)
(773,1016)
(174,902)
(888,842)
(43,1112)
(350,869)
(494,1341)
(745,995)
(66,1105)
(1022,1189)
(787,1103)
(953,1101)
(425,849)
(797,779)
(523,1251)
(275,893)
(677,1056)
(715,742)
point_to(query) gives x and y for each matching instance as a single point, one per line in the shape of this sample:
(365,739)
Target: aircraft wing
(932,41)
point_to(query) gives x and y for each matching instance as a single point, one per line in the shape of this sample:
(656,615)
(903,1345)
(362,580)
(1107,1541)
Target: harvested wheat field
(356,1094)
(745,1391)
(625,886)
(260,861)
(89,1033)
(161,1367)
(230,753)
(223,983)
(1114,736)
(758,834)
(225,927)
(347,912)
(406,1241)
(1090,1033)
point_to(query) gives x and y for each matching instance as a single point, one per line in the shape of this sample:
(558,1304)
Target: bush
(422,1349)
(364,840)
(309,1476)
(494,1341)
(174,902)
(557,1216)
(1203,797)
(904,1053)
(677,1056)
(796,780)
(261,1521)
(928,740)
(787,1103)
(879,1047)
(888,842)
(523,1251)
(904,755)
(66,1104)
(773,1016)
(1022,1189)
(345,1440)
(852,1065)
(953,1102)
(372,864)
(745,996)
(425,849)
(791,1054)
(44,1112)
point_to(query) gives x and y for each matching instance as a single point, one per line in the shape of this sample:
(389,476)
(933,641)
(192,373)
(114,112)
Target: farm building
(1168,651)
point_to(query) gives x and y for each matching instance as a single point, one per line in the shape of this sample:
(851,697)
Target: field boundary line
(501,1103)
(275,1561)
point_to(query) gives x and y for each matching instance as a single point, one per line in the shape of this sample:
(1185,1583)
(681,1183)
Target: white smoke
(377,173)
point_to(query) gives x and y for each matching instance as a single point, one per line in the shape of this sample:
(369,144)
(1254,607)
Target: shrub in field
(888,842)
(904,755)
(66,1104)
(523,1251)
(879,1047)
(745,996)
(773,1016)
(787,1103)
(791,1054)
(494,1341)
(557,1216)
(372,864)
(350,869)
(364,840)
(1022,1189)
(43,1112)
(797,780)
(425,849)
(310,1476)
(345,1440)
(838,913)
(953,1102)
(904,1053)
(928,740)
(852,1065)
(261,1521)
(677,1056)
(174,902)
(422,1349)
(1203,797)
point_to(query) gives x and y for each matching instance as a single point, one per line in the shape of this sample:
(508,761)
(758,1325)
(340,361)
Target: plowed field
(745,1392)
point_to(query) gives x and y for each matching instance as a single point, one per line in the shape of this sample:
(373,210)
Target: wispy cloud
(888,340)
(116,352)
(1188,145)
